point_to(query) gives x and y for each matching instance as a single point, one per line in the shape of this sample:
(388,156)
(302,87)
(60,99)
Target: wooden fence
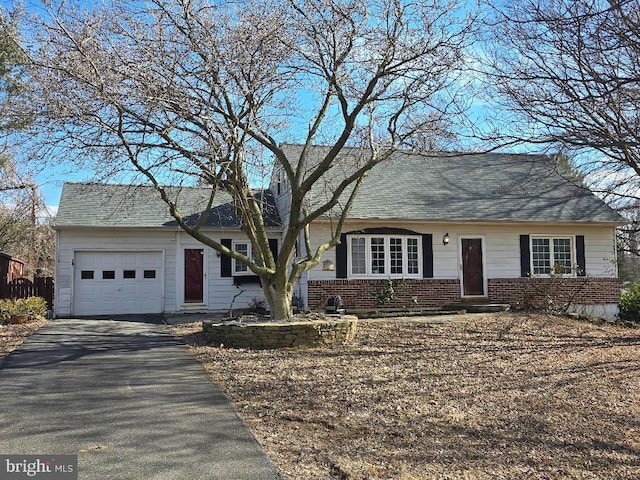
(23,288)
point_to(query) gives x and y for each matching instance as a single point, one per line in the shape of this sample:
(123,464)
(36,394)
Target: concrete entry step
(479,307)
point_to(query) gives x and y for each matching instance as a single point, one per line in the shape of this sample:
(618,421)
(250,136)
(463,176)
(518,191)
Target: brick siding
(361,294)
(577,290)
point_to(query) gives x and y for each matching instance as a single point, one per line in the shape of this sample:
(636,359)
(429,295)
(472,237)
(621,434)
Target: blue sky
(52,178)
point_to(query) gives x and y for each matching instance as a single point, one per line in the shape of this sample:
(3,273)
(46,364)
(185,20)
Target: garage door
(117,283)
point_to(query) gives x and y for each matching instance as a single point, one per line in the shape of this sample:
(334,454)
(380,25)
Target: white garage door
(117,283)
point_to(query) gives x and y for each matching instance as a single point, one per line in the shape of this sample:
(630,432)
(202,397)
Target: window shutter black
(580,254)
(225,261)
(427,255)
(341,257)
(273,246)
(525,256)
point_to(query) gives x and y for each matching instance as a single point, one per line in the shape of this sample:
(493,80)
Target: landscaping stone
(272,335)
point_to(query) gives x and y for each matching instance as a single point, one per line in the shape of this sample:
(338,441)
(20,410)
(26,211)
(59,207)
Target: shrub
(386,293)
(5,311)
(257,306)
(554,294)
(630,304)
(33,306)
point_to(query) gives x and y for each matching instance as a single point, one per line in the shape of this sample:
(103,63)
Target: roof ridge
(134,185)
(452,153)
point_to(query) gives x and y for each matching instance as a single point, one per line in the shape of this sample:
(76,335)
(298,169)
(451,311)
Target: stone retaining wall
(257,336)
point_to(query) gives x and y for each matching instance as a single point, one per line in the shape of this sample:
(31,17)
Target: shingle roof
(108,205)
(469,187)
(445,187)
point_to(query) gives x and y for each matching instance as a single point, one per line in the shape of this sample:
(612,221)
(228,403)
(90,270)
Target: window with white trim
(359,256)
(384,256)
(413,256)
(552,254)
(244,248)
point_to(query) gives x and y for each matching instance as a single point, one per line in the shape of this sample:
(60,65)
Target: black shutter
(427,255)
(580,254)
(273,246)
(225,261)
(341,257)
(525,256)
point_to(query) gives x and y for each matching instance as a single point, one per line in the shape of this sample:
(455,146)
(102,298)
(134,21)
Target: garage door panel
(106,289)
(107,261)
(149,289)
(130,306)
(116,283)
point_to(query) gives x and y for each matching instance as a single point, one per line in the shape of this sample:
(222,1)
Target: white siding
(70,241)
(501,249)
(501,246)
(219,291)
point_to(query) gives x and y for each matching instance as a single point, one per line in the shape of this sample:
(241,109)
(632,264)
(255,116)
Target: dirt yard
(488,397)
(11,336)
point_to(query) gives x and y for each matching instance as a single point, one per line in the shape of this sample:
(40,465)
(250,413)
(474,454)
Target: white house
(118,251)
(449,229)
(465,228)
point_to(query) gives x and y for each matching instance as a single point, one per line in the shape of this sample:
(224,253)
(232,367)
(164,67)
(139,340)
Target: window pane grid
(412,256)
(358,256)
(562,255)
(541,251)
(242,248)
(377,256)
(396,256)
(551,255)
(395,252)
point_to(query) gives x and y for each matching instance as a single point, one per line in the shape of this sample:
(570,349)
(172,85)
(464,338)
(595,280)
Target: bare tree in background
(15,220)
(569,72)
(25,225)
(26,230)
(198,92)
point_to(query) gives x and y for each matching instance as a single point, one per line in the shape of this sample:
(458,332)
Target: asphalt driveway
(128,400)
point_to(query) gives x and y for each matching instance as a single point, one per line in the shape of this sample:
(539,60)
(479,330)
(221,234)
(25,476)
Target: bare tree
(569,72)
(26,230)
(14,224)
(23,230)
(12,178)
(199,92)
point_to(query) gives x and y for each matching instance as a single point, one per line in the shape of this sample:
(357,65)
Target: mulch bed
(491,397)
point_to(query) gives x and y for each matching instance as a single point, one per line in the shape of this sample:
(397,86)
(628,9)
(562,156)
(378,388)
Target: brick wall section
(579,290)
(360,294)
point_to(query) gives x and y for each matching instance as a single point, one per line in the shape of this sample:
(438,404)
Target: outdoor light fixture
(445,239)
(327,266)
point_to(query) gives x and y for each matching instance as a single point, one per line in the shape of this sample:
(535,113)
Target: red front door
(193,275)
(472,273)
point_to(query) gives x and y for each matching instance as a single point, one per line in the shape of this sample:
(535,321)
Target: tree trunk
(279,298)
